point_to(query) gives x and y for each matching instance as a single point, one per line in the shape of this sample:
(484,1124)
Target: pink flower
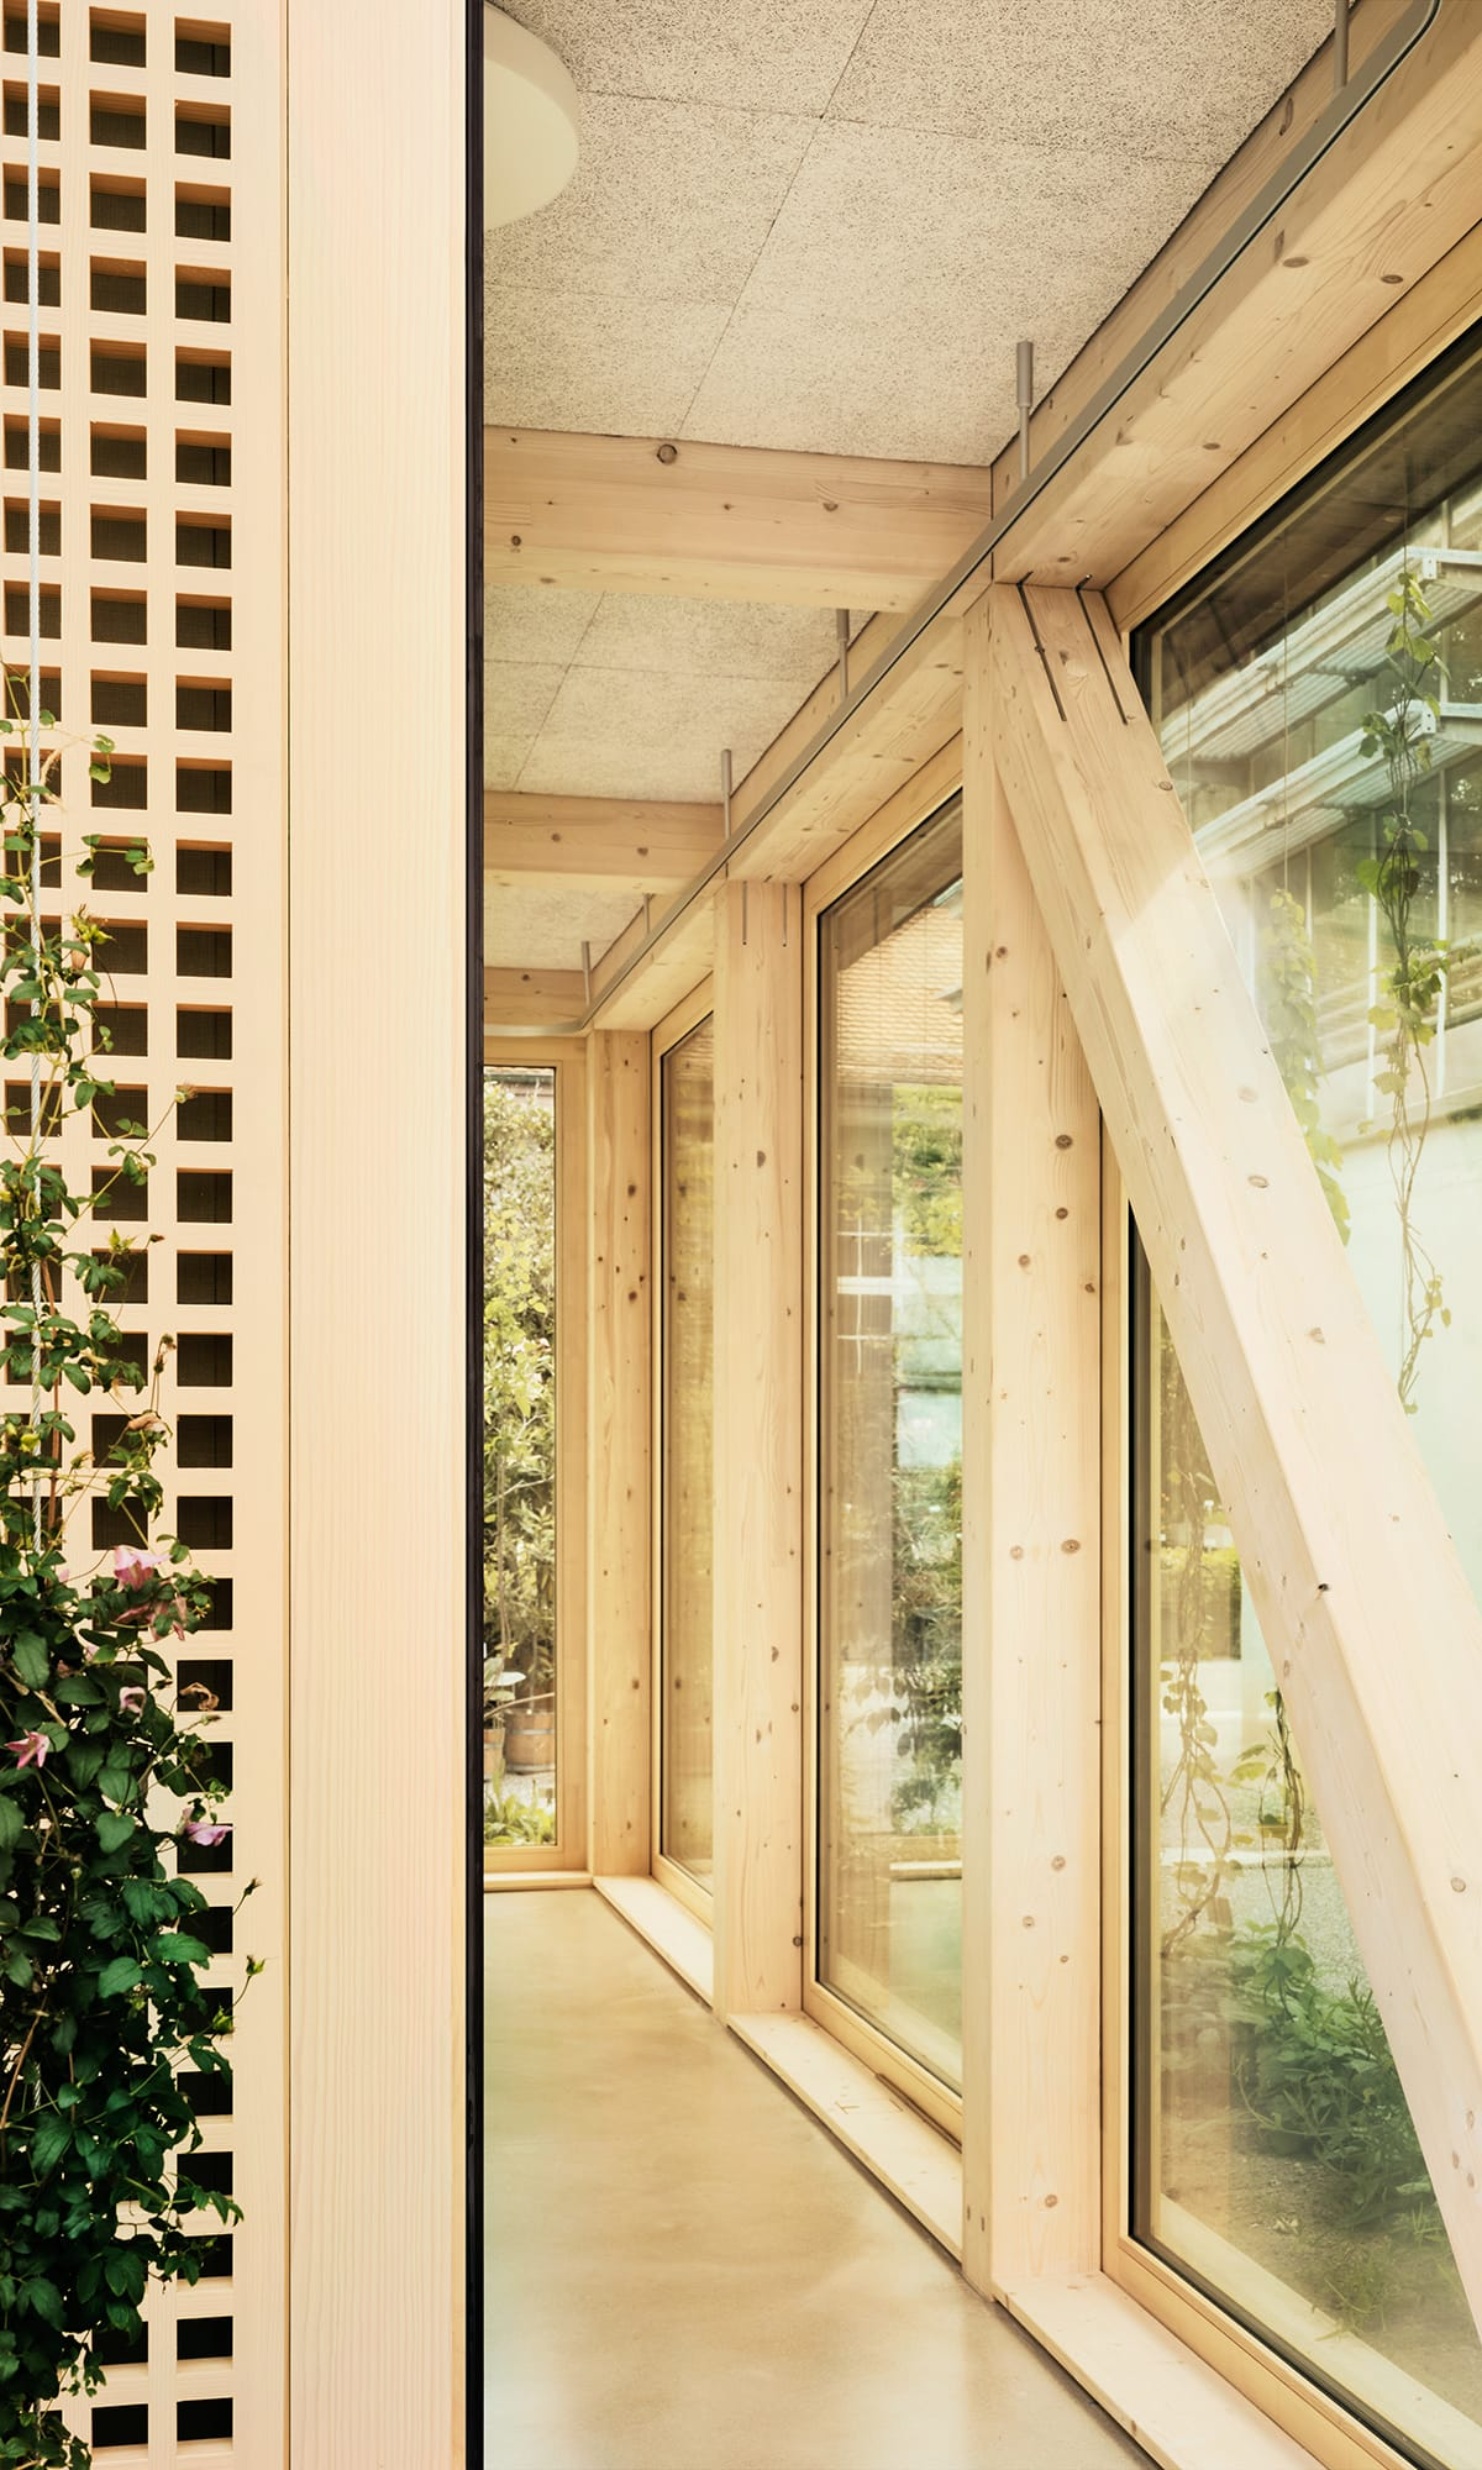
(132,1568)
(31,1746)
(133,1696)
(202,1831)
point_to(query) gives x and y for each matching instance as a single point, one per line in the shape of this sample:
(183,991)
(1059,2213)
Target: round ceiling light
(530,121)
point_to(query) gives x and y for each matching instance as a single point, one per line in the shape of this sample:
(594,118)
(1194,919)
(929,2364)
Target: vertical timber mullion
(619,1582)
(1031,1583)
(758,1449)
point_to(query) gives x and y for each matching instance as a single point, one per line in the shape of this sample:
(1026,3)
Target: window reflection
(1319,702)
(890,1716)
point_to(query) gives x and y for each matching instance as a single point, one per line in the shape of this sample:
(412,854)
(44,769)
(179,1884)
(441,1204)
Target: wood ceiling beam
(1342,1540)
(1390,196)
(598,844)
(639,514)
(533,998)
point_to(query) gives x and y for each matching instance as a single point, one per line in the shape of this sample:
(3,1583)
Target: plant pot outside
(494,1750)
(530,1734)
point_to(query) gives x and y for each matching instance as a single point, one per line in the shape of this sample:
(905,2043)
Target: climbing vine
(108,2023)
(1405,1016)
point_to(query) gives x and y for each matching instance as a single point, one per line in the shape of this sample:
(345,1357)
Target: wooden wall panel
(1031,1852)
(620,1373)
(377,525)
(758,1448)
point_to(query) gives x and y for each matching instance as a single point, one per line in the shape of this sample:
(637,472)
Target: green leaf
(173,1948)
(122,1974)
(49,2143)
(114,1829)
(44,2300)
(33,1664)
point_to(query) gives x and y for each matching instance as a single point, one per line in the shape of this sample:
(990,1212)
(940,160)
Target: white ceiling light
(530,121)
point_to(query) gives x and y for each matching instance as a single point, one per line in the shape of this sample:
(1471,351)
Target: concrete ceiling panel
(766,55)
(709,638)
(671,201)
(538,926)
(517,697)
(573,360)
(640,734)
(1189,77)
(531,627)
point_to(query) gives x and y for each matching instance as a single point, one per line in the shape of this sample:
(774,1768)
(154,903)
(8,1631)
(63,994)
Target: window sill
(673,1933)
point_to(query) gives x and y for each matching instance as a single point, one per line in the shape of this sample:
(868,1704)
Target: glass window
(1275,2161)
(890,1694)
(687,1079)
(519,1456)
(1319,700)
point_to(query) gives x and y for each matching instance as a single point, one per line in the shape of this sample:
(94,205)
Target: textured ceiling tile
(517,697)
(505,757)
(562,360)
(671,201)
(903,384)
(536,926)
(891,218)
(1187,77)
(526,625)
(635,734)
(519,694)
(760,55)
(710,638)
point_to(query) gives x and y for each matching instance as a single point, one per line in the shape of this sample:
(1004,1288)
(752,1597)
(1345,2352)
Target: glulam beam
(597,844)
(533,999)
(1368,1614)
(642,514)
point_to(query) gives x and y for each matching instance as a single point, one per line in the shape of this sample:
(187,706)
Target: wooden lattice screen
(163,581)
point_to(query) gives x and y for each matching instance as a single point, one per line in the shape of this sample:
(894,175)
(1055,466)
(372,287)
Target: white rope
(33,730)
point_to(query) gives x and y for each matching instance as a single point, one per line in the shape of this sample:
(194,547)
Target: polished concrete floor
(685,2272)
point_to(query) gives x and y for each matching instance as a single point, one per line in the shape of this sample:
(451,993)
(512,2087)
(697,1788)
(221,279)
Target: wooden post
(377,913)
(618,1427)
(1372,1626)
(758,1449)
(1031,1592)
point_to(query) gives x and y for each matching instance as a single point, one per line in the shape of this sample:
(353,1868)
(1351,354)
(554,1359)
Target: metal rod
(1340,45)
(1024,397)
(725,791)
(841,637)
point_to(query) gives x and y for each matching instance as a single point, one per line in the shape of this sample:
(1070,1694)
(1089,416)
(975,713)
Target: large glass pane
(890,1711)
(1319,700)
(688,1508)
(1275,2158)
(519,1457)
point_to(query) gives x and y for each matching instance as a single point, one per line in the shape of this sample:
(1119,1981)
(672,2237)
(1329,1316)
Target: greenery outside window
(1318,695)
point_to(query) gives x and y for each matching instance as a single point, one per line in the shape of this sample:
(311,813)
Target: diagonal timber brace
(1370,1621)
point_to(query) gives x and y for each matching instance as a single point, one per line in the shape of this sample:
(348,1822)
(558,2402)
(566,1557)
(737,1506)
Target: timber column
(619,1588)
(758,1449)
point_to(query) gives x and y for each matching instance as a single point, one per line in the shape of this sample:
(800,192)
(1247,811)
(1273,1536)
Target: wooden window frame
(566,1058)
(875,841)
(687,1015)
(1335,2436)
